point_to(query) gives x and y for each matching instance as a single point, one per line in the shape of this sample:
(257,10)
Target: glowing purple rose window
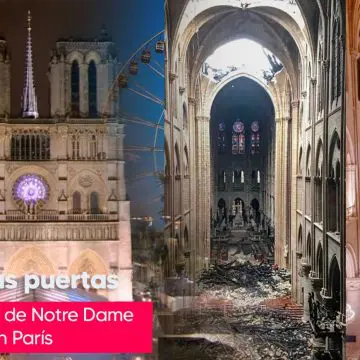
(30,188)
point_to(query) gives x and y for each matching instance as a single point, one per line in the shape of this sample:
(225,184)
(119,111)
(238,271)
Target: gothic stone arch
(90,262)
(87,182)
(29,260)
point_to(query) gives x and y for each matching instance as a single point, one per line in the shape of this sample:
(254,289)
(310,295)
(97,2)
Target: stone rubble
(251,330)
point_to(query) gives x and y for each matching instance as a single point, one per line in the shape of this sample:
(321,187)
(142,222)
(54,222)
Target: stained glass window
(238,138)
(241,144)
(30,188)
(255,138)
(255,127)
(235,144)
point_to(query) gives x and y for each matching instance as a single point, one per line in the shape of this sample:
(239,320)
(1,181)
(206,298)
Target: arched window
(300,162)
(92,79)
(255,138)
(76,203)
(185,117)
(75,147)
(308,161)
(258,178)
(221,145)
(238,138)
(186,162)
(75,88)
(242,177)
(300,239)
(177,161)
(333,195)
(94,203)
(93,147)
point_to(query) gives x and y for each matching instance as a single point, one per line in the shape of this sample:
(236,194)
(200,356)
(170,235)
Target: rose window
(30,189)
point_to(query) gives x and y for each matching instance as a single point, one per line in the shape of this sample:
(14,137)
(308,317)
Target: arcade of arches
(293,175)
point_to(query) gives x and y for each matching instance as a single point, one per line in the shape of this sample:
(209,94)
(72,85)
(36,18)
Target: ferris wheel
(137,95)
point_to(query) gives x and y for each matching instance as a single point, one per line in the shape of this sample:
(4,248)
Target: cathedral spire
(29,102)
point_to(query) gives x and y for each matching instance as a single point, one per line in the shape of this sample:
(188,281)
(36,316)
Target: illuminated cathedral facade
(63,207)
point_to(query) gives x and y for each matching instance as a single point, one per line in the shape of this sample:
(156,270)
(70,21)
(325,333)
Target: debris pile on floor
(243,281)
(253,314)
(253,332)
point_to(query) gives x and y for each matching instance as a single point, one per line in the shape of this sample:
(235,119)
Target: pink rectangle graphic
(102,327)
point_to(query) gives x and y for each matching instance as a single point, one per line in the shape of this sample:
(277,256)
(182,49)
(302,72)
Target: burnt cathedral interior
(258,157)
(242,134)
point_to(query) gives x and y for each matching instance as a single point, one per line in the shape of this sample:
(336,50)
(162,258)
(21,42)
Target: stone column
(203,187)
(294,205)
(305,272)
(193,183)
(313,169)
(281,191)
(285,193)
(278,186)
(325,172)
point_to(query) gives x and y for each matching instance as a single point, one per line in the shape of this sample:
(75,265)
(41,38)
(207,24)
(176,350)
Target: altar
(237,211)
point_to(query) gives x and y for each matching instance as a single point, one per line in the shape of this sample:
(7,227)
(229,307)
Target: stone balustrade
(53,215)
(59,231)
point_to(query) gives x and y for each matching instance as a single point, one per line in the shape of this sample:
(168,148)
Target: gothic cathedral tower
(63,205)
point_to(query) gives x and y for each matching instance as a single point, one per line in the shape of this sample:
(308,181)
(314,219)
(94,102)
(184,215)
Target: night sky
(129,23)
